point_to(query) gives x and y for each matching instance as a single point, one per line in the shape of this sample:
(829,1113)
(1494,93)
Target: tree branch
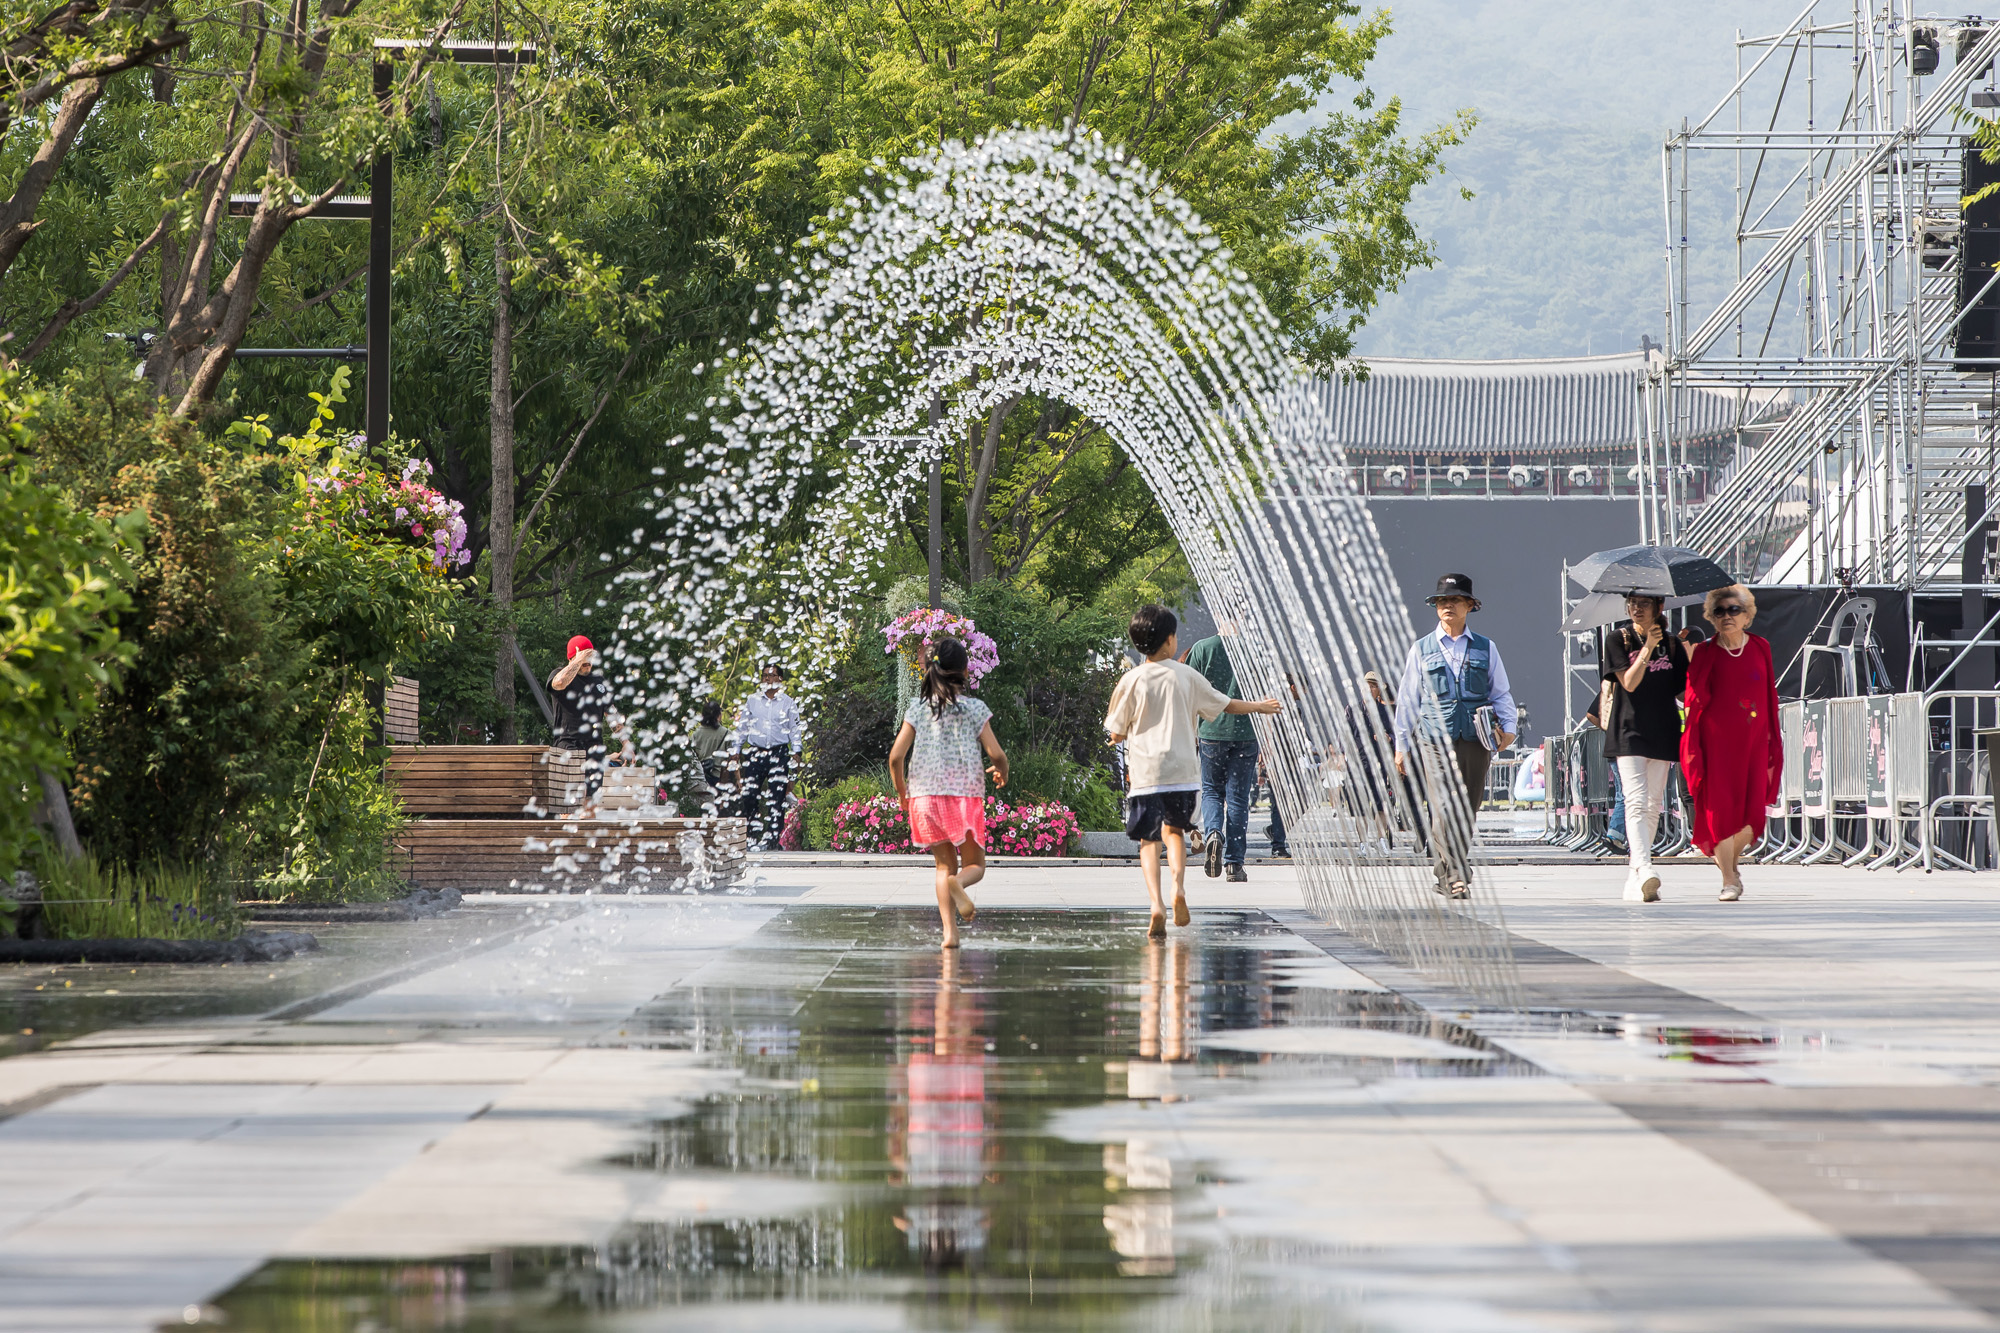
(577,443)
(72,308)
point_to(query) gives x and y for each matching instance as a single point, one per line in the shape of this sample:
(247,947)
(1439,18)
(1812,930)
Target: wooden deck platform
(653,854)
(504,817)
(521,781)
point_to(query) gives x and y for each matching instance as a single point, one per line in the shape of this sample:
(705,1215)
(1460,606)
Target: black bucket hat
(1454,585)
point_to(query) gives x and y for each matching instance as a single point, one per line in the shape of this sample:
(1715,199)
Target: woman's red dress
(1732,752)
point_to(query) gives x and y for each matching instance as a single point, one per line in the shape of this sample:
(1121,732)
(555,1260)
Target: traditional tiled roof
(1556,405)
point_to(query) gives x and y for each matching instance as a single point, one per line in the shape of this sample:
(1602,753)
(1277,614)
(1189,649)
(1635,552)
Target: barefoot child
(944,791)
(1153,710)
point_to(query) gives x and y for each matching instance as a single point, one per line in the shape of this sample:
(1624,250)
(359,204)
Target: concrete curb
(252,946)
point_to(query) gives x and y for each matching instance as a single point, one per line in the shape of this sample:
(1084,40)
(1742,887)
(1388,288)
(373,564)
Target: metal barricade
(1956,827)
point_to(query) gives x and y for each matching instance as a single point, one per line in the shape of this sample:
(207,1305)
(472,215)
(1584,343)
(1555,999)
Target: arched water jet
(1047,265)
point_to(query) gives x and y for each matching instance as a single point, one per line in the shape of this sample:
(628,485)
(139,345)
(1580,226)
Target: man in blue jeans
(1228,748)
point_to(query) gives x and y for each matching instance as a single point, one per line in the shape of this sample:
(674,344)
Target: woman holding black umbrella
(1732,752)
(1645,670)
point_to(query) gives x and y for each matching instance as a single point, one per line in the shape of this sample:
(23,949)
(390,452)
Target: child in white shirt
(1153,710)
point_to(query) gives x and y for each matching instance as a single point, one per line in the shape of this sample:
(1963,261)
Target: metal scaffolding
(1865,444)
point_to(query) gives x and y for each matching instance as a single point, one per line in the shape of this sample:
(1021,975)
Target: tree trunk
(979,564)
(500,517)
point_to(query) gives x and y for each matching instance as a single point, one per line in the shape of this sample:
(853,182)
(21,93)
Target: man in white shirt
(769,730)
(1464,673)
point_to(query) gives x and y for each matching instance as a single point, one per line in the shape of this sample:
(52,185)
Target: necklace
(1733,652)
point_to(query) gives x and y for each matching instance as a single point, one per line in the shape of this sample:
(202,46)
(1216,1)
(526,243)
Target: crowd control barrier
(1886,781)
(1582,796)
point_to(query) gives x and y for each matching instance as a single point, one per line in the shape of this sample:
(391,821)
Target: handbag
(1607,694)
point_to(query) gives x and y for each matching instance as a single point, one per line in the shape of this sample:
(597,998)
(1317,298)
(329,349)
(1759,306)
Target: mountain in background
(1562,252)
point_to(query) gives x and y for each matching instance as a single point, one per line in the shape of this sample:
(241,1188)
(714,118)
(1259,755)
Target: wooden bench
(507,781)
(617,853)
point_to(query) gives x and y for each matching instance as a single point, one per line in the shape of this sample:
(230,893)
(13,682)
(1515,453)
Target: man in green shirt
(1228,748)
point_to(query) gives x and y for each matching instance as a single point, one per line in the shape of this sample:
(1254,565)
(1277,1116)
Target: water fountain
(1042,262)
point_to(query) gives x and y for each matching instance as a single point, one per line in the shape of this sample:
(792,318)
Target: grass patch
(83,900)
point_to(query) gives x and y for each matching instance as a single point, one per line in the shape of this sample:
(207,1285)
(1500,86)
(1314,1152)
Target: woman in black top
(1648,670)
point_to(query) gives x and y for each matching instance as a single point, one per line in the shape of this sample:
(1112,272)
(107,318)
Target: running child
(944,790)
(1153,710)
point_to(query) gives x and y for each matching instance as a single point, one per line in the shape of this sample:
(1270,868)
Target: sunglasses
(1731,610)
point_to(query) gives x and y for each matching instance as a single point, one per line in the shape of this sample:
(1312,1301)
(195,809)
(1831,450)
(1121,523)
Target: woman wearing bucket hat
(1476,716)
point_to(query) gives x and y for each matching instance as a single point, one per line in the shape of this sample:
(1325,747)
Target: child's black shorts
(1145,814)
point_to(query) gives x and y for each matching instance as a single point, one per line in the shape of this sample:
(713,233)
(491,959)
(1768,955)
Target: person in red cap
(582,698)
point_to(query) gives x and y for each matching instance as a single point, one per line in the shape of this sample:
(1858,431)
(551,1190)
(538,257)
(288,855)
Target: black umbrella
(1656,571)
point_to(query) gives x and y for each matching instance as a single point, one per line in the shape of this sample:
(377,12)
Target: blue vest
(1459,697)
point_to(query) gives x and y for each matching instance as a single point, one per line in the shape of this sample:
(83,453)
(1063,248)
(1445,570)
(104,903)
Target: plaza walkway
(668,1112)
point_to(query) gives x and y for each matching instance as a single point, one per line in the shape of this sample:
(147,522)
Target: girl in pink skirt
(943,790)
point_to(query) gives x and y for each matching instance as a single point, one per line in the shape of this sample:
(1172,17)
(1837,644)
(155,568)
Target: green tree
(60,572)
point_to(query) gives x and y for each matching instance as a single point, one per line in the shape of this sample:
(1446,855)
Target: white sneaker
(1633,893)
(1731,892)
(1649,888)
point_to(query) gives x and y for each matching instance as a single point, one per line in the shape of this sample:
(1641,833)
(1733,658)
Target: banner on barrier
(1880,803)
(1812,757)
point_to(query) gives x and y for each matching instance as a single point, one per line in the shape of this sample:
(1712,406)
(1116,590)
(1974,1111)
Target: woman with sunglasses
(1731,752)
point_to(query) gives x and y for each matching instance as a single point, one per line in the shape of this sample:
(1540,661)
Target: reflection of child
(944,790)
(1153,711)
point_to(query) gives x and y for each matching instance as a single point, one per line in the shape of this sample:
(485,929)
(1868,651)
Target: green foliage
(1055,674)
(85,899)
(852,730)
(1050,775)
(457,704)
(825,801)
(239,740)
(364,577)
(59,593)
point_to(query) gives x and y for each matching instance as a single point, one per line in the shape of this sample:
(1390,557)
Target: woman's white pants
(1645,785)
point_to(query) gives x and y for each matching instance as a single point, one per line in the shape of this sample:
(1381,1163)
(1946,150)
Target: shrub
(59,588)
(85,900)
(851,733)
(1098,807)
(270,587)
(823,805)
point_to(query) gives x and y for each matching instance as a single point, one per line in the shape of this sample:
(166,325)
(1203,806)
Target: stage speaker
(1976,345)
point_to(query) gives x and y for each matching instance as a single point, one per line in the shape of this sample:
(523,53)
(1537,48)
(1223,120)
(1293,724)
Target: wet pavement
(896,1110)
(790,1108)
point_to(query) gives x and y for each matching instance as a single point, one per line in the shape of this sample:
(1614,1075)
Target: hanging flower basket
(911,634)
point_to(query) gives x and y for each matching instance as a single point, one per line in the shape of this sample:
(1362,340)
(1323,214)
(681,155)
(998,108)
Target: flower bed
(878,825)
(1046,829)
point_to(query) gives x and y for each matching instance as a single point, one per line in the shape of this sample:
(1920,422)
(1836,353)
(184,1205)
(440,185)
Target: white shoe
(1731,892)
(1649,888)
(1633,893)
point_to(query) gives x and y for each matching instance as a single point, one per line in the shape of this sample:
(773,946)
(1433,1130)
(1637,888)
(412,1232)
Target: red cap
(578,644)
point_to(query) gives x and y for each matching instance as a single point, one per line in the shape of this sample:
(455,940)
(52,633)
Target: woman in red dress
(1731,752)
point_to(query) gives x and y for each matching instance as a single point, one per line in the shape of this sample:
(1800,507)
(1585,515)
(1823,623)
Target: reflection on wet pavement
(887,1157)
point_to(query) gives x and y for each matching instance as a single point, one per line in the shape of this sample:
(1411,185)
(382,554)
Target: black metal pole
(381,200)
(1975,672)
(937,507)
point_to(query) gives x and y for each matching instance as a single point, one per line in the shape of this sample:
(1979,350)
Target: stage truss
(1865,447)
